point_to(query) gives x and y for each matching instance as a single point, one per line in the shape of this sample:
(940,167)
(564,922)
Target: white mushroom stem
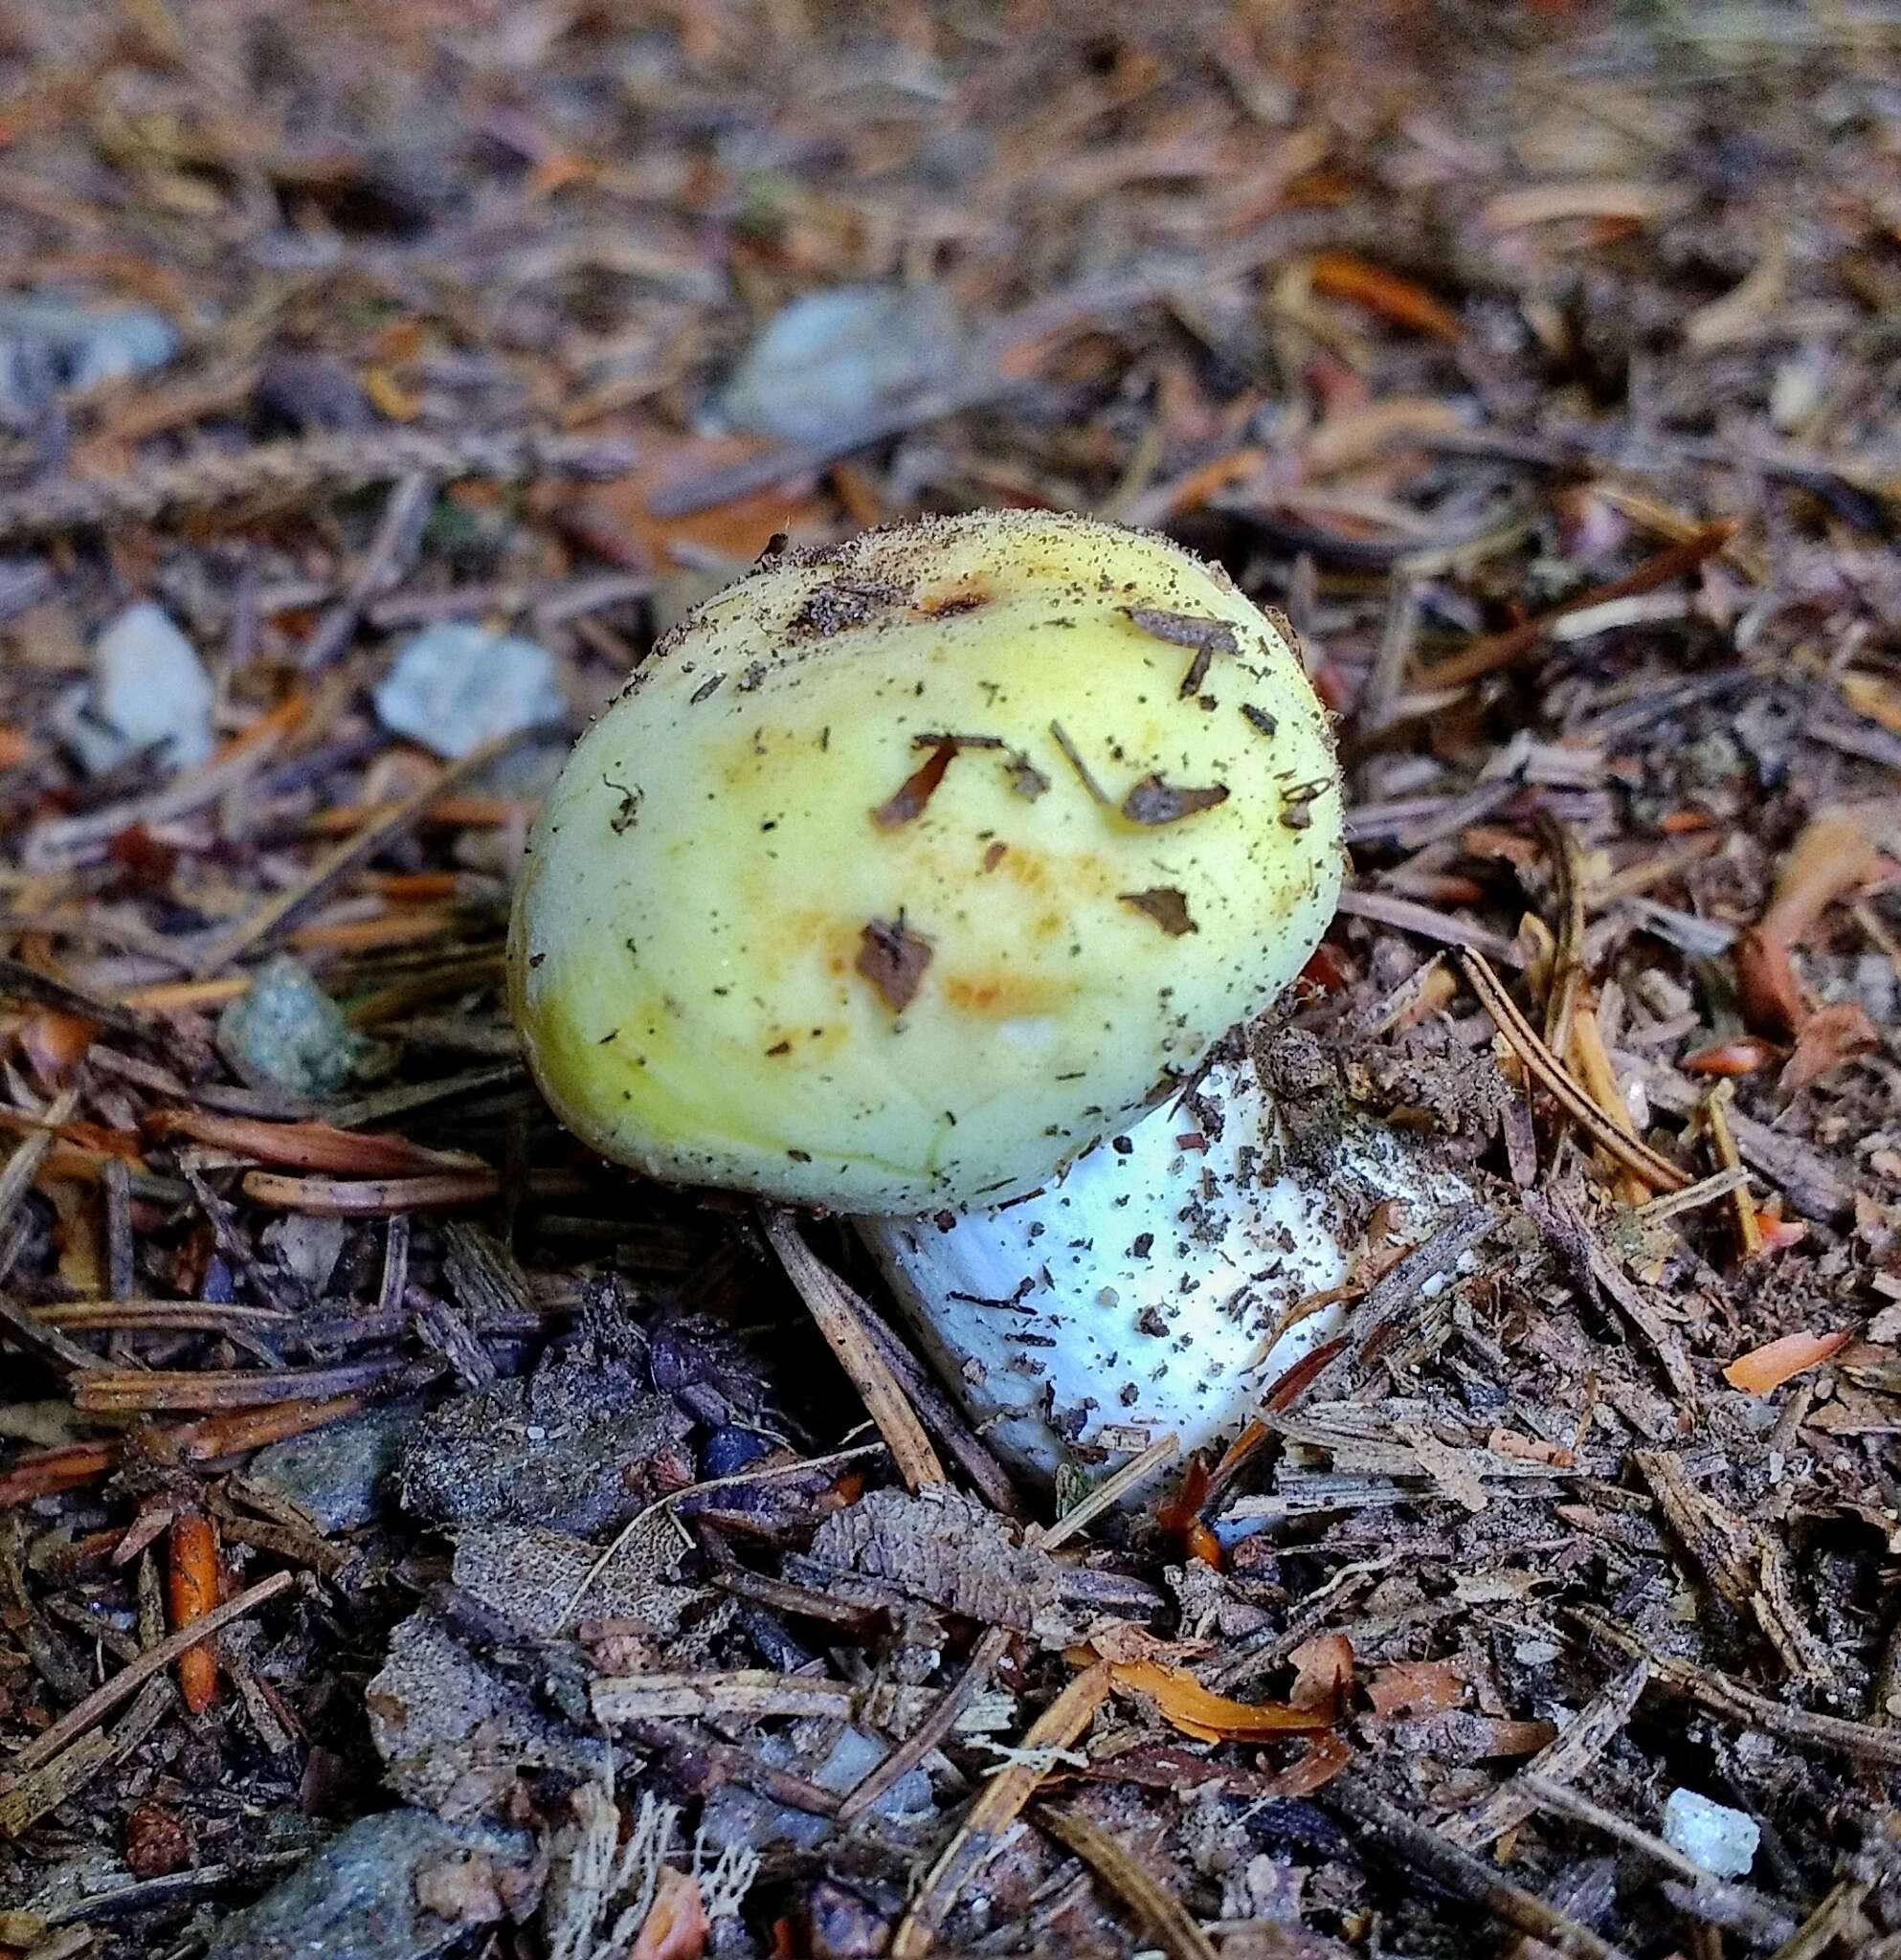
(1141,1292)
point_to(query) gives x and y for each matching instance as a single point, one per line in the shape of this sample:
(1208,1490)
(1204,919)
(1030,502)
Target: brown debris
(1162,1914)
(947,1550)
(1003,1800)
(1154,802)
(907,802)
(840,1319)
(894,958)
(1829,858)
(1166,904)
(1206,637)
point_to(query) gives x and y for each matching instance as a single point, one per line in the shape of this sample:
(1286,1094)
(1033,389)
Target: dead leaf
(1875,696)
(1356,435)
(1603,198)
(1829,1036)
(907,802)
(893,958)
(1415,1687)
(1025,778)
(1762,1370)
(54,1044)
(1206,637)
(1742,1056)
(1340,275)
(1166,905)
(1830,856)
(675,1927)
(1316,1765)
(616,519)
(1154,802)
(1200,1712)
(1123,1640)
(1323,1672)
(460,1890)
(1528,1449)
(1743,308)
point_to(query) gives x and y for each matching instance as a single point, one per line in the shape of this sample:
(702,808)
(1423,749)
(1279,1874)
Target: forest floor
(1540,365)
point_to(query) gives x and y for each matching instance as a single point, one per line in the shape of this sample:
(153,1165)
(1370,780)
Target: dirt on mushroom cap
(832,901)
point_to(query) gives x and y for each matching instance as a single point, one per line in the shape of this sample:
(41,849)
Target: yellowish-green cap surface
(906,869)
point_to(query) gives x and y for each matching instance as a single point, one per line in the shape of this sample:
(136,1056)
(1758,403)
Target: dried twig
(1567,977)
(307,1145)
(1399,635)
(1706,1191)
(1507,648)
(1810,1180)
(1600,1276)
(1722,1696)
(134,1390)
(1436,1855)
(1715,1119)
(106,1697)
(326,463)
(1161,1913)
(34,1791)
(939,1413)
(21,982)
(1584,1739)
(999,1805)
(1425,921)
(1393,1292)
(42,1337)
(1837,1917)
(63,840)
(403,515)
(371,1198)
(992,1645)
(237,940)
(745,1693)
(1737,1905)
(23,1166)
(1112,1491)
(629,1532)
(1632,1153)
(840,1317)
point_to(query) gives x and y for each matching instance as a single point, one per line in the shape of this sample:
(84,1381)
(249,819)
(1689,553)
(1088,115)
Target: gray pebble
(285,1032)
(149,690)
(455,686)
(832,359)
(401,1885)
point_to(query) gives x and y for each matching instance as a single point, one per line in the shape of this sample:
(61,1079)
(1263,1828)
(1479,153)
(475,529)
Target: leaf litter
(425,1539)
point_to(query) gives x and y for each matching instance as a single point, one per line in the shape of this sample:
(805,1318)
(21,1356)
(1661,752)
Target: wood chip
(1719,1695)
(747,1694)
(837,1313)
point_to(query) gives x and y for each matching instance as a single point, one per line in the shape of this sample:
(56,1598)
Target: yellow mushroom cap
(906,869)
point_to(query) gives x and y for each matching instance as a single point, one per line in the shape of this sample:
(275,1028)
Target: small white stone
(832,359)
(149,687)
(1711,1836)
(455,686)
(82,346)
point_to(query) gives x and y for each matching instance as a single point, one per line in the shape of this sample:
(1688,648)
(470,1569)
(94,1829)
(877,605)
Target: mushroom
(917,877)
